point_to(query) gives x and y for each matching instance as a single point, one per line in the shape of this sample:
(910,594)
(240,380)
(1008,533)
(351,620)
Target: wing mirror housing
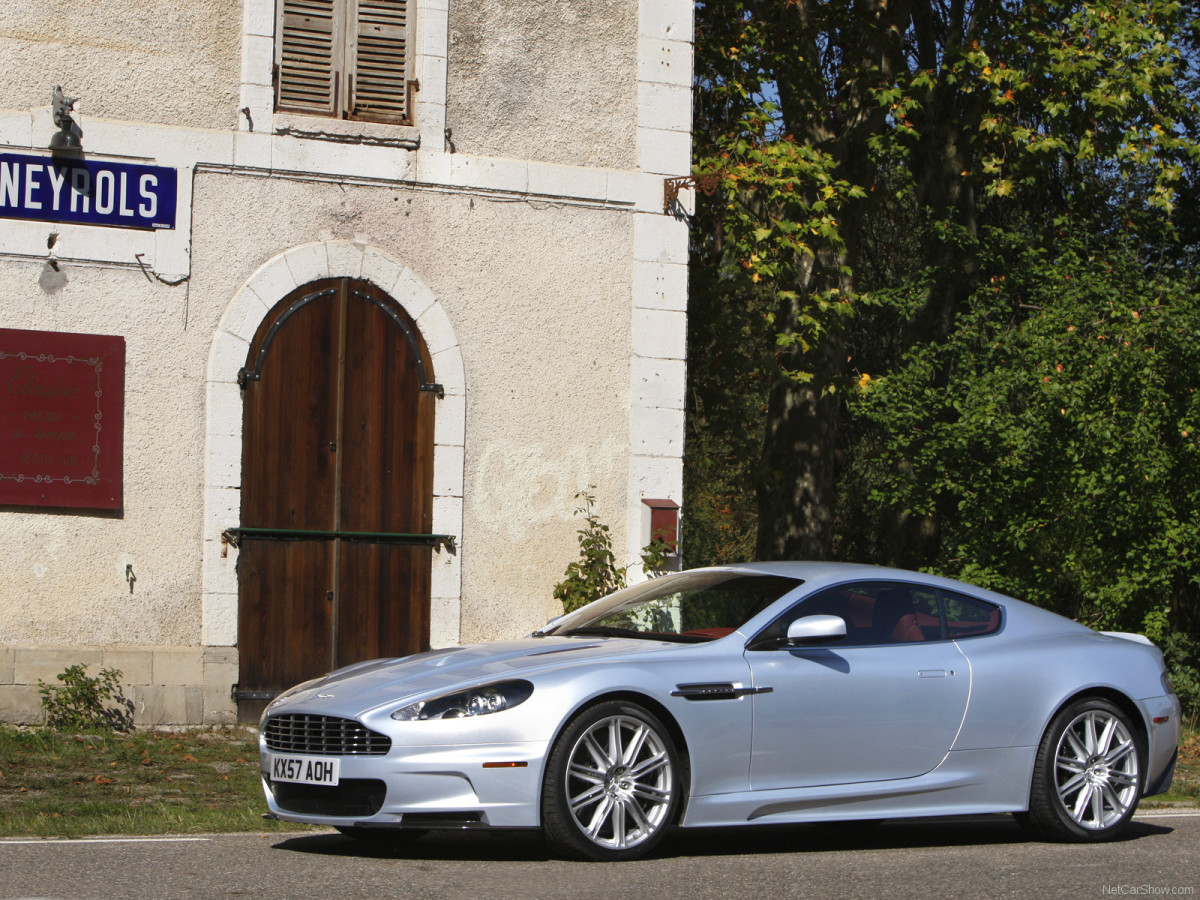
(815,629)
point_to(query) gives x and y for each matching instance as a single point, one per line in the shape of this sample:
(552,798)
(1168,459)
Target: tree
(1053,434)
(1052,437)
(827,118)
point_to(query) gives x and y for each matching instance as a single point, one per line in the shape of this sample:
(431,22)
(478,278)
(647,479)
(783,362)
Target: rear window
(968,617)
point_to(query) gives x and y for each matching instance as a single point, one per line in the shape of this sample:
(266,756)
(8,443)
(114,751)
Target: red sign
(62,412)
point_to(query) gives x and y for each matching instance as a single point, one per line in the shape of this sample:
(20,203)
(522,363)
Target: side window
(968,617)
(925,608)
(348,59)
(874,613)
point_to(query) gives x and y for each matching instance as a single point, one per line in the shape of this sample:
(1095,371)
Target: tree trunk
(796,488)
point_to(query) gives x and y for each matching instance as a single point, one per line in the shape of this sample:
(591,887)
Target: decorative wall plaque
(62,411)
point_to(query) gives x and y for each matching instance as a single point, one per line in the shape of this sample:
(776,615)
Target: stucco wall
(542,317)
(63,575)
(160,61)
(547,80)
(539,297)
(558,301)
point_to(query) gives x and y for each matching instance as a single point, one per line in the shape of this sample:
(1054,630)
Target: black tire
(597,807)
(1087,775)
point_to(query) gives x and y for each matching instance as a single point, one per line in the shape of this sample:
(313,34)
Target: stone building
(315,315)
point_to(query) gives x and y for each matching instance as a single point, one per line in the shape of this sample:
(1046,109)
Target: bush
(595,573)
(1048,447)
(1181,654)
(84,703)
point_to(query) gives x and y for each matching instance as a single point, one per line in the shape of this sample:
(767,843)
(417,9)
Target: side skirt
(966,782)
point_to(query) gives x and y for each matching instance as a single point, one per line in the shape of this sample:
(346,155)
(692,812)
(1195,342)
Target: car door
(885,702)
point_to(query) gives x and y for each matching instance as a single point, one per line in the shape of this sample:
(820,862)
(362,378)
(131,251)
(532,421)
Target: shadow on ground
(524,846)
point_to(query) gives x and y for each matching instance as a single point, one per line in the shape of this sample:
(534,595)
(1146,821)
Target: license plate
(305,769)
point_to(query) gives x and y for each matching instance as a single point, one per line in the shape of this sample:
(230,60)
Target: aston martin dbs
(739,695)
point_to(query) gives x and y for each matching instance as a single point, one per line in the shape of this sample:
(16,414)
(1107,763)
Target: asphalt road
(977,857)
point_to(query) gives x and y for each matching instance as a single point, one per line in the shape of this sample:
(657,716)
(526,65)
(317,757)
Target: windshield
(690,606)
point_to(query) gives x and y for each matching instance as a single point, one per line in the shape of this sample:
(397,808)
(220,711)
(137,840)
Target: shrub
(595,573)
(86,703)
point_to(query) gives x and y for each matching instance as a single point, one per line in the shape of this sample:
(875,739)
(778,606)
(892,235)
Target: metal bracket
(672,187)
(234,536)
(235,694)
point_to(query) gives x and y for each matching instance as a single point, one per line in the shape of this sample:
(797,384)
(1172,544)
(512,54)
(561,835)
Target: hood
(356,689)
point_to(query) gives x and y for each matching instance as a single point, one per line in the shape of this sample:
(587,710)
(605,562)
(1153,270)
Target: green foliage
(731,347)
(656,558)
(862,151)
(595,573)
(1049,443)
(974,228)
(86,703)
(1182,655)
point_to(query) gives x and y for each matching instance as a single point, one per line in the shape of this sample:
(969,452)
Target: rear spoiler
(1137,638)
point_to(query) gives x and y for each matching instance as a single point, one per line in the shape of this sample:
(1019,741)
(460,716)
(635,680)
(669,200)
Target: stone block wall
(165,684)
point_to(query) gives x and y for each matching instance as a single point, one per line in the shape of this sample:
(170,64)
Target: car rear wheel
(1087,777)
(612,787)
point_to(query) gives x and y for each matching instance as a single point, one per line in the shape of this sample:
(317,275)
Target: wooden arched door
(337,488)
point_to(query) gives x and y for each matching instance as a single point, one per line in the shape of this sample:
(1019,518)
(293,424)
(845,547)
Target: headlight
(478,701)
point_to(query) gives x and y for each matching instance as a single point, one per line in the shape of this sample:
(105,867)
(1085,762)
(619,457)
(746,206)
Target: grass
(204,782)
(71,785)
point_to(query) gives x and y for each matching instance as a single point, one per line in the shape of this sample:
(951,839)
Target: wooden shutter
(380,89)
(309,55)
(344,58)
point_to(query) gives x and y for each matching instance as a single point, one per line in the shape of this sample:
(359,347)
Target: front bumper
(496,785)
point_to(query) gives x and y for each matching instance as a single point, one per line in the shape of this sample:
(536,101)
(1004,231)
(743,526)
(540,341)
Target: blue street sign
(88,192)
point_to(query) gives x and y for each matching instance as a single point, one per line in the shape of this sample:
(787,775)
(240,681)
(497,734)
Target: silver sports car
(760,693)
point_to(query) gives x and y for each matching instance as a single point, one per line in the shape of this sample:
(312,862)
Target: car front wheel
(612,786)
(1087,777)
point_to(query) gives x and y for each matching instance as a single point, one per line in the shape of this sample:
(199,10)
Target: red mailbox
(660,522)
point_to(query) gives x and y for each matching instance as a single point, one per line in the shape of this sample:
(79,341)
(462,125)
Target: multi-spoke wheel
(1087,779)
(612,784)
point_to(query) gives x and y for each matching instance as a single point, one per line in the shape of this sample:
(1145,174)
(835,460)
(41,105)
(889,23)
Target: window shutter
(380,88)
(308,56)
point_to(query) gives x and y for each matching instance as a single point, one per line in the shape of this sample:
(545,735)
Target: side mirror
(814,629)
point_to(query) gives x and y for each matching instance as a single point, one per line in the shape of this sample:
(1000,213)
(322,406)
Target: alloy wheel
(1096,769)
(619,782)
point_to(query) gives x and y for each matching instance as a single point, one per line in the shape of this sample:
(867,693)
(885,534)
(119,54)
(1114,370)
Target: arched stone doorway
(337,488)
(247,310)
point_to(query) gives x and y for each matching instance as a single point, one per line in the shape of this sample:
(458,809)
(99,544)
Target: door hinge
(236,693)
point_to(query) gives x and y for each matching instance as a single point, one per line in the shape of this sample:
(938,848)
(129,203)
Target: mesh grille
(323,736)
